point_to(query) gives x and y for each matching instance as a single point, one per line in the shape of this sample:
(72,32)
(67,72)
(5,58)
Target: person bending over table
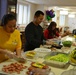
(52,32)
(34,32)
(9,37)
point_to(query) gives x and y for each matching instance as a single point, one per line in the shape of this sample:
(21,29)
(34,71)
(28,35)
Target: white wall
(34,8)
(72,23)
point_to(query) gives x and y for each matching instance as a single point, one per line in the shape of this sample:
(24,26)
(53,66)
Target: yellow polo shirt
(9,41)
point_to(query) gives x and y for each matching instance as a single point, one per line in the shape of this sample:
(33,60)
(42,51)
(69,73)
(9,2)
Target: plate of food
(30,54)
(39,69)
(13,68)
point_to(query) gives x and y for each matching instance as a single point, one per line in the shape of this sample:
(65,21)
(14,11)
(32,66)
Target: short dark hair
(37,13)
(6,18)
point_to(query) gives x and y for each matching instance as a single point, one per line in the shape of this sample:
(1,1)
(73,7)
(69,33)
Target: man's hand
(49,42)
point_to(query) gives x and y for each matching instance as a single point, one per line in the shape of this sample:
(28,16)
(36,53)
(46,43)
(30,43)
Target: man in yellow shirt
(9,36)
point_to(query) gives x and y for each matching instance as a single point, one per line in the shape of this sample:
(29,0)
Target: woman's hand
(10,54)
(7,53)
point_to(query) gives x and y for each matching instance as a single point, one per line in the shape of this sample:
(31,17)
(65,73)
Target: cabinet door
(12,6)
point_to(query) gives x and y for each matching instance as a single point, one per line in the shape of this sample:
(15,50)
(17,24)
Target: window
(62,20)
(54,19)
(22,16)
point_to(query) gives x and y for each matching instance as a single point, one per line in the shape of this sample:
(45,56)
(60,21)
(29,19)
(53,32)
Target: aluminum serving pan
(57,59)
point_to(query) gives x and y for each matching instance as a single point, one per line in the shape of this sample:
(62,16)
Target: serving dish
(40,69)
(30,54)
(57,59)
(41,52)
(23,72)
(67,43)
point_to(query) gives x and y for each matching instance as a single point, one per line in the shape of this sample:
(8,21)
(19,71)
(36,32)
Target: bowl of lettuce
(67,43)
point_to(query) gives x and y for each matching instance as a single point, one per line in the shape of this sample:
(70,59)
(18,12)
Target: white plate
(42,50)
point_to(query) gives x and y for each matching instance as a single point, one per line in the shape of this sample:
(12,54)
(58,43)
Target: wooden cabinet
(12,4)
(7,6)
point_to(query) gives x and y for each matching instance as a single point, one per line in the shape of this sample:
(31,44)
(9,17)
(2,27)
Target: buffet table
(55,70)
(58,71)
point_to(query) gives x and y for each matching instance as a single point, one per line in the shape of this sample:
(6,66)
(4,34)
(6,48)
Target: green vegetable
(73,54)
(59,57)
(67,43)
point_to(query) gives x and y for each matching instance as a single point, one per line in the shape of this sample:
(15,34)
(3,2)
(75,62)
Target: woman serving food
(9,37)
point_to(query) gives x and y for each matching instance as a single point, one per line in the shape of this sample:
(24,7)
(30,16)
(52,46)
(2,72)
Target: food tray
(56,63)
(30,58)
(41,52)
(13,61)
(30,54)
(23,72)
